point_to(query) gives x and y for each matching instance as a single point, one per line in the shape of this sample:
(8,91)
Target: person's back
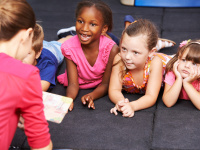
(21,92)
(16,99)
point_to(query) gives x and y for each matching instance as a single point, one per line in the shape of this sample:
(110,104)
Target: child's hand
(175,69)
(87,99)
(126,109)
(21,123)
(118,106)
(71,106)
(194,75)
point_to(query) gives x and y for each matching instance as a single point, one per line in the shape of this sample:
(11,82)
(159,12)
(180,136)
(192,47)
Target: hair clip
(134,22)
(196,42)
(183,43)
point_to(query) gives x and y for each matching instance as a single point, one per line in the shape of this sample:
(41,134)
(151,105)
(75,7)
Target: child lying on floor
(182,78)
(46,56)
(137,69)
(89,55)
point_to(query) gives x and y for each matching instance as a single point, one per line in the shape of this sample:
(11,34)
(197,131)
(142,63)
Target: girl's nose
(127,55)
(187,64)
(85,27)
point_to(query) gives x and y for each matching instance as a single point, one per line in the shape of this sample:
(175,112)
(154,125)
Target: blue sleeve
(48,72)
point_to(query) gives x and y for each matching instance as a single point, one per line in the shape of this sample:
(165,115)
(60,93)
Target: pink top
(88,76)
(170,79)
(21,93)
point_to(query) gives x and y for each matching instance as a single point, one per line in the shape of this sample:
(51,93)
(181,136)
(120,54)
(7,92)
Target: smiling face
(89,25)
(185,66)
(134,52)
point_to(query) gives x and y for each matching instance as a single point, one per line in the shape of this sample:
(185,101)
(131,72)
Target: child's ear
(38,54)
(152,51)
(105,29)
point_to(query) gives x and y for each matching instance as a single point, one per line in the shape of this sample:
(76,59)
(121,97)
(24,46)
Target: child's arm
(102,89)
(115,86)
(193,94)
(174,90)
(153,87)
(73,84)
(45,85)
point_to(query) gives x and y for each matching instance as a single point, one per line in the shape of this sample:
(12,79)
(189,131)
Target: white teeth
(85,37)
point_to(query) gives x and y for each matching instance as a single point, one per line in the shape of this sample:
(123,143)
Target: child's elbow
(198,107)
(167,104)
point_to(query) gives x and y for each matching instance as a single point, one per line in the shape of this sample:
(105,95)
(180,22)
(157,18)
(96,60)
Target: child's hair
(38,38)
(15,15)
(193,54)
(99,5)
(138,27)
(145,27)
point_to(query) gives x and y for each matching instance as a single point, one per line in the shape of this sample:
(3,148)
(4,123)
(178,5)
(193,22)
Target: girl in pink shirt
(182,80)
(89,55)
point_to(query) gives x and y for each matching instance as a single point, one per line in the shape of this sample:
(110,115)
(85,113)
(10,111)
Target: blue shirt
(47,64)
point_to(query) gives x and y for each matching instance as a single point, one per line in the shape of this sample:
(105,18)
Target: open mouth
(85,37)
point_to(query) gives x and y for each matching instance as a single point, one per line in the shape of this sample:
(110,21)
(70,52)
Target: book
(55,106)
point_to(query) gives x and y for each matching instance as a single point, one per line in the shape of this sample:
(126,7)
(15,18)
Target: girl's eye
(123,49)
(194,64)
(92,24)
(135,52)
(79,21)
(183,60)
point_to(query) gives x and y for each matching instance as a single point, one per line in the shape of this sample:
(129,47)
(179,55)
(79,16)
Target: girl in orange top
(137,68)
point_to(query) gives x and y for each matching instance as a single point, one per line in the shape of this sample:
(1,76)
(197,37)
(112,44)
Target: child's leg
(66,31)
(128,19)
(62,40)
(54,47)
(162,43)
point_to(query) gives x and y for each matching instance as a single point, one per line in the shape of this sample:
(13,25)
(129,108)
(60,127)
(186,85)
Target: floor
(158,127)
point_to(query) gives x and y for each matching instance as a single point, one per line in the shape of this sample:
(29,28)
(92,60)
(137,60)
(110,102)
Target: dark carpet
(158,127)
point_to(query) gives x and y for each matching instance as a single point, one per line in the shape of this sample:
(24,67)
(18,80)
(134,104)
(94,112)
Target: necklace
(145,76)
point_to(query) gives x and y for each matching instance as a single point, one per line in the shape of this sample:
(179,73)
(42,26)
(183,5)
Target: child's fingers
(126,100)
(83,100)
(125,114)
(21,119)
(128,114)
(113,111)
(91,104)
(123,108)
(20,125)
(71,106)
(131,115)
